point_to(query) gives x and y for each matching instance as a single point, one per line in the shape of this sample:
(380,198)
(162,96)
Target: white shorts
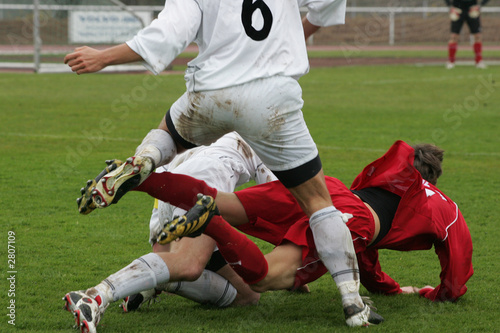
(265,112)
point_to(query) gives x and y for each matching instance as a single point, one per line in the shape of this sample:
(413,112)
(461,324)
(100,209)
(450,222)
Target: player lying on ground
(401,211)
(397,164)
(244,79)
(225,165)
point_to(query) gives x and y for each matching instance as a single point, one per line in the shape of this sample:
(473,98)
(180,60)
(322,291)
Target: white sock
(336,250)
(159,145)
(210,288)
(142,274)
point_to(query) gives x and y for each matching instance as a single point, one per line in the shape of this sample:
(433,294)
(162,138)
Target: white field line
(373,150)
(71,137)
(362,149)
(435,79)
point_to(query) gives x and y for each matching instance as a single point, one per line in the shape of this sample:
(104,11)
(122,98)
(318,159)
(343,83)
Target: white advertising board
(102,27)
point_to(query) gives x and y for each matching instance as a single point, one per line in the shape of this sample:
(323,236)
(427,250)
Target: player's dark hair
(428,159)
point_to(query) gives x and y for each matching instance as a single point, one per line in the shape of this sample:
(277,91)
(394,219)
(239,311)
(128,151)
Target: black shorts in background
(473,23)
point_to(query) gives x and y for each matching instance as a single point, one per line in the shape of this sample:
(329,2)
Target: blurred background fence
(33,28)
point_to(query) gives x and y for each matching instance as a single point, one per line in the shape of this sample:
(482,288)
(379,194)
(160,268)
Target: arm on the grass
(455,257)
(372,276)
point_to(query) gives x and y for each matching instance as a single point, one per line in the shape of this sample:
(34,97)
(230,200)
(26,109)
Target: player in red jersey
(398,210)
(465,11)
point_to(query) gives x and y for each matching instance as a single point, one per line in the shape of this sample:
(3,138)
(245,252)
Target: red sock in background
(452,50)
(478,47)
(240,252)
(177,189)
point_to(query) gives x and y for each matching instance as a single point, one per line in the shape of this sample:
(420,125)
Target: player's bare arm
(89,60)
(309,28)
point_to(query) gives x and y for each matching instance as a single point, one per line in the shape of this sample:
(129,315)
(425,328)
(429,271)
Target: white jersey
(238,41)
(325,13)
(226,164)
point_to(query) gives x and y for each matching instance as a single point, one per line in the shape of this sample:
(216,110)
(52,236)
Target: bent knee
(192,272)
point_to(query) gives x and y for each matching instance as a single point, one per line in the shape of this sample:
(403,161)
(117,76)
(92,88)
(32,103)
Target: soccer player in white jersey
(226,164)
(244,79)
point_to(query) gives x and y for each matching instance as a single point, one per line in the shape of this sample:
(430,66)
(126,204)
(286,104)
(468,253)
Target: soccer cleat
(366,316)
(134,302)
(113,185)
(450,65)
(72,298)
(85,202)
(481,65)
(85,309)
(192,224)
(87,315)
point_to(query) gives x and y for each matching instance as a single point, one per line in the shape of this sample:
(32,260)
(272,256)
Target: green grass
(464,51)
(57,130)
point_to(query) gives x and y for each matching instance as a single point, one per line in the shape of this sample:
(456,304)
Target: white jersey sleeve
(325,13)
(168,35)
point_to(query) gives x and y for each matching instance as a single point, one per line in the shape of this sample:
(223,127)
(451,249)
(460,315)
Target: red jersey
(425,217)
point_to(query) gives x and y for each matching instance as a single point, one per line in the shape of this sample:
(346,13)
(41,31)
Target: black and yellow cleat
(86,203)
(192,224)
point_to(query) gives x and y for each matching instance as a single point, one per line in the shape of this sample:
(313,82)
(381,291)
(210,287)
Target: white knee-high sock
(159,145)
(209,288)
(142,274)
(336,250)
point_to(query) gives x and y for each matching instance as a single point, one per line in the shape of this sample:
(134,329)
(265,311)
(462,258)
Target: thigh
(456,26)
(271,211)
(474,25)
(188,257)
(283,263)
(193,119)
(276,129)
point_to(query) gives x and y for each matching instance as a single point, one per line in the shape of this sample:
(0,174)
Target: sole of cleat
(113,186)
(86,202)
(71,299)
(192,224)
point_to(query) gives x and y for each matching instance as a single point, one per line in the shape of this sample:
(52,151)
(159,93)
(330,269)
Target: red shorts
(275,216)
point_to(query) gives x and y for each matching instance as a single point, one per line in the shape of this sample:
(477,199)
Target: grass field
(464,52)
(57,130)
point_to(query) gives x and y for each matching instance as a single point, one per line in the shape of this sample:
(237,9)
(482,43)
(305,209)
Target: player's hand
(409,290)
(85,60)
(413,290)
(455,13)
(474,11)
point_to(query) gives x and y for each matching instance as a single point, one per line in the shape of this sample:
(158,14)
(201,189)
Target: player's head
(428,159)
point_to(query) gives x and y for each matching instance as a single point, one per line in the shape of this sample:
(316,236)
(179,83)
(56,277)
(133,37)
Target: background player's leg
(478,51)
(452,50)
